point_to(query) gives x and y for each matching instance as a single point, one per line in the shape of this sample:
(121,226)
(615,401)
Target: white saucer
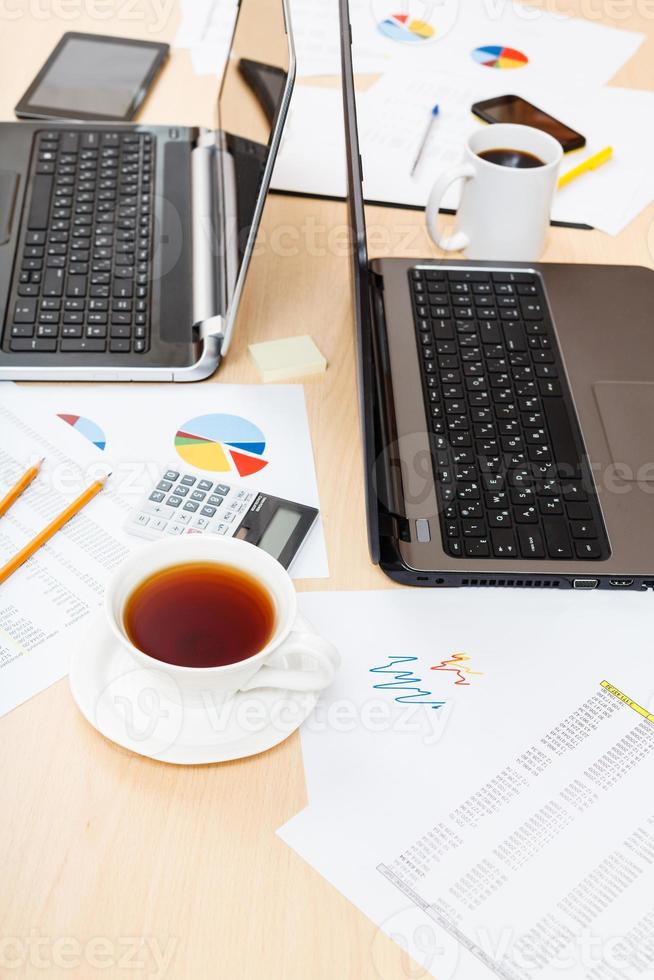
(143,710)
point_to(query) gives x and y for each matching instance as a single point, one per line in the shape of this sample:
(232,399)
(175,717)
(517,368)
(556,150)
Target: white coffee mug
(272,666)
(504,212)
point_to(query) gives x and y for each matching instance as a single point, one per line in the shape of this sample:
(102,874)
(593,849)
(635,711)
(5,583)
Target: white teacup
(504,213)
(272,667)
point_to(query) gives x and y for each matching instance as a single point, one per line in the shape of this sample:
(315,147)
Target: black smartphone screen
(92,77)
(514,109)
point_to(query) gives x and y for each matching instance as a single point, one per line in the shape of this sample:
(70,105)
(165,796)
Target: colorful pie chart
(498,56)
(403,27)
(222,444)
(87,428)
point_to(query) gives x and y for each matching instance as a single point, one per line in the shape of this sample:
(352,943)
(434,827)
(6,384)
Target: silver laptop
(124,248)
(507,413)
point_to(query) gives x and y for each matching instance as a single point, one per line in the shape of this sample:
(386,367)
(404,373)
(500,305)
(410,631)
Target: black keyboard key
(467,275)
(583,529)
(37,345)
(441,329)
(82,345)
(556,537)
(123,289)
(499,518)
(40,202)
(531,542)
(588,549)
(477,547)
(551,506)
(25,310)
(471,511)
(53,283)
(504,545)
(514,336)
(69,143)
(76,286)
(22,330)
(473,529)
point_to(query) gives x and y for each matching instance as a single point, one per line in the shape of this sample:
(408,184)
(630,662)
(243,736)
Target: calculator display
(279,530)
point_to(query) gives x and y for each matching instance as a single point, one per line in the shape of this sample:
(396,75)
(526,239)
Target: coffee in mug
(503,156)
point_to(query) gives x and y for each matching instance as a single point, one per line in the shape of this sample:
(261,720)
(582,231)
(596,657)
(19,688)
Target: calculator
(182,503)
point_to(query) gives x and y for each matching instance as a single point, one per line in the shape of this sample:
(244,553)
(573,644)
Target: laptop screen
(361,286)
(252,105)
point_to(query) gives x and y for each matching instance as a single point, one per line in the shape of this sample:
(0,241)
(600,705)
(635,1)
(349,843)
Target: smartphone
(93,76)
(514,109)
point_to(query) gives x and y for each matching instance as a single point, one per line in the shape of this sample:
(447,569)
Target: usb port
(585,583)
(621,583)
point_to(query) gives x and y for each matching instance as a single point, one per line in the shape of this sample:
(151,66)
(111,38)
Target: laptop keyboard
(511,477)
(81,284)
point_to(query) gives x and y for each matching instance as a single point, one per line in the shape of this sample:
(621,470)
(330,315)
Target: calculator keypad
(181,503)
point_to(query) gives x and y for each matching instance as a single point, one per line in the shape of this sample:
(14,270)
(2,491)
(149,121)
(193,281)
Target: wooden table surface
(115,866)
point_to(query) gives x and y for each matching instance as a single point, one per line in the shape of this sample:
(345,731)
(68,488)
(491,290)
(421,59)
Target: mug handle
(459,239)
(302,640)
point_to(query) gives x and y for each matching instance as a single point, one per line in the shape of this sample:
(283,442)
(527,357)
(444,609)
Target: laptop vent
(515,583)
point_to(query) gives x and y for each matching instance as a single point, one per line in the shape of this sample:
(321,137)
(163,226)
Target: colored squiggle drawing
(459,671)
(406,682)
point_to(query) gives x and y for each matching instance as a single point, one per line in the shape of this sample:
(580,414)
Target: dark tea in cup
(200,614)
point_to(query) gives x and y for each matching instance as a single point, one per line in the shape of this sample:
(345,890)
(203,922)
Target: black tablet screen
(94,78)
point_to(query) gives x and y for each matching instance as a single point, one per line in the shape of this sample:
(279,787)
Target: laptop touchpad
(627,412)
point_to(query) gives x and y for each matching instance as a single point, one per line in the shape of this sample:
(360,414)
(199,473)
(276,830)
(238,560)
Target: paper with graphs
(515,838)
(455,35)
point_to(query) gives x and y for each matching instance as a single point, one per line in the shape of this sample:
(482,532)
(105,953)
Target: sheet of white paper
(206,28)
(389,787)
(392,118)
(311,158)
(45,605)
(448,32)
(139,423)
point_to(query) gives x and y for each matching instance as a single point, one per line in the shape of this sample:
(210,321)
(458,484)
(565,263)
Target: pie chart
(403,27)
(222,444)
(498,56)
(87,428)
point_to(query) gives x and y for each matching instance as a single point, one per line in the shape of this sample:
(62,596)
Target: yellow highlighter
(592,163)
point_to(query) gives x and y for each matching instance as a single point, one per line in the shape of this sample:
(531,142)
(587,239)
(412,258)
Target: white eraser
(292,357)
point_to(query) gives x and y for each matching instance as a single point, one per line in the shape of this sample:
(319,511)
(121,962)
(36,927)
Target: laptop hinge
(214,229)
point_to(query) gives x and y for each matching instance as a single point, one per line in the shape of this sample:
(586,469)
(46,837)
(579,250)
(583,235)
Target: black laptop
(507,413)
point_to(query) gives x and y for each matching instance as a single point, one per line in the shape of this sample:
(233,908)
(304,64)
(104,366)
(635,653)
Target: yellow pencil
(51,529)
(22,484)
(592,163)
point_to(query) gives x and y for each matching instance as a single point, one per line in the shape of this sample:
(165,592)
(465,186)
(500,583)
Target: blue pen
(432,116)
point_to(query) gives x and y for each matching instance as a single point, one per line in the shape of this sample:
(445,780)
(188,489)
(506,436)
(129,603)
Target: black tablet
(93,76)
